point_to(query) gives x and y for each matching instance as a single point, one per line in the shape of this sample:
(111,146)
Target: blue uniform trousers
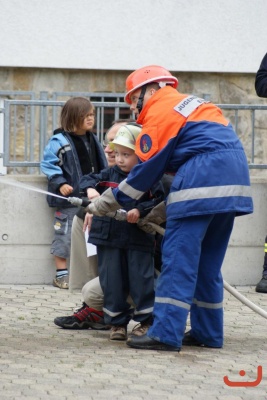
(191,280)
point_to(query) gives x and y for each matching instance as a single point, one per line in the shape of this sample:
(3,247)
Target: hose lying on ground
(244,300)
(226,285)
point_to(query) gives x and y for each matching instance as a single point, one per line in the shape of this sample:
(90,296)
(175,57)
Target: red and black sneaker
(84,318)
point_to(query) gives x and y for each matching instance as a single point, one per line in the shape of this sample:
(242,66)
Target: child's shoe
(84,318)
(142,328)
(118,332)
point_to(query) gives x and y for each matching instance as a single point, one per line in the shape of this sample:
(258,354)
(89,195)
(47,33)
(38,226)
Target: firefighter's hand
(133,216)
(104,204)
(66,189)
(157,215)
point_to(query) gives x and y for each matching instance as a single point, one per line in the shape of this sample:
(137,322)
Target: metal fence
(254,117)
(107,115)
(27,124)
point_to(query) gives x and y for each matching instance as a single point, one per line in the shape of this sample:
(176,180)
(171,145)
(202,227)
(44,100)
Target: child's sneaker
(142,328)
(84,318)
(118,332)
(61,282)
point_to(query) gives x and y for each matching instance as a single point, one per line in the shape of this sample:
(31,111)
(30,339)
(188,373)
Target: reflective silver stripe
(214,306)
(146,311)
(61,153)
(130,191)
(168,300)
(209,192)
(111,313)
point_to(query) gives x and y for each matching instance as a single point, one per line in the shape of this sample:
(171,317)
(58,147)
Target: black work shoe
(262,285)
(146,343)
(189,340)
(84,318)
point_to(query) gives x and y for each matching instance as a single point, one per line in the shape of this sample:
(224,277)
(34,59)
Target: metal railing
(28,124)
(235,120)
(93,97)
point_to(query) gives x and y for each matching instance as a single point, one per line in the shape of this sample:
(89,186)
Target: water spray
(76,201)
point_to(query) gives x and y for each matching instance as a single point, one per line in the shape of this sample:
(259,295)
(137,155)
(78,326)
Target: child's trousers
(124,272)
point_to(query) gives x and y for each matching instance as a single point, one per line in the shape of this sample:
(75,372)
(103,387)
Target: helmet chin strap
(141,99)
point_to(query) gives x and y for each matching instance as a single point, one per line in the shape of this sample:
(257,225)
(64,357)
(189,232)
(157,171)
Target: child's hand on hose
(133,216)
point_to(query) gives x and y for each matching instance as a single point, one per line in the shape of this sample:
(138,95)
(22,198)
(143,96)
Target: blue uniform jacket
(61,164)
(261,78)
(200,148)
(109,232)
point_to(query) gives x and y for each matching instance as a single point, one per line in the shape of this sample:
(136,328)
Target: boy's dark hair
(73,113)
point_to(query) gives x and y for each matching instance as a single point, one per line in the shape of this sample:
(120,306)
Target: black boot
(146,343)
(189,340)
(262,285)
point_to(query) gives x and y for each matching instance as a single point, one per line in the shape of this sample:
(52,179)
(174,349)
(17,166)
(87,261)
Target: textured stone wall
(219,88)
(222,88)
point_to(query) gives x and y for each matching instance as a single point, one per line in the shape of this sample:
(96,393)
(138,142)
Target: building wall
(196,36)
(220,88)
(213,47)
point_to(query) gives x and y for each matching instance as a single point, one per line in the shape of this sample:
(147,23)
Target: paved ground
(41,361)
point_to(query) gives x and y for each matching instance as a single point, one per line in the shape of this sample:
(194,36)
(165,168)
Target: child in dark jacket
(71,152)
(125,252)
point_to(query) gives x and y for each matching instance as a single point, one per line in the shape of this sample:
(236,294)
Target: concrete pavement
(38,360)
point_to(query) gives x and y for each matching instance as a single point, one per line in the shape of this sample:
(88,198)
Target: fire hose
(120,215)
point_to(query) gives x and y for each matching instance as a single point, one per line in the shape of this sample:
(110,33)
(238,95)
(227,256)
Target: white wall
(206,35)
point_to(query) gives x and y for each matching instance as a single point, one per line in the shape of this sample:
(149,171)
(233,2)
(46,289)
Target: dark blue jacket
(109,232)
(261,78)
(66,160)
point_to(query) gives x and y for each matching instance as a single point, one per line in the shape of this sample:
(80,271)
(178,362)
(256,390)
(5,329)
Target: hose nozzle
(76,201)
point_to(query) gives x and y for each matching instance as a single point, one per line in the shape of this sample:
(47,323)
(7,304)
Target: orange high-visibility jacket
(191,139)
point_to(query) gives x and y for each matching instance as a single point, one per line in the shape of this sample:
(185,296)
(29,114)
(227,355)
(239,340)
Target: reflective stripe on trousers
(193,252)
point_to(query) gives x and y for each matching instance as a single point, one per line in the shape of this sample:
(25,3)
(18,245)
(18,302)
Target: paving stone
(39,361)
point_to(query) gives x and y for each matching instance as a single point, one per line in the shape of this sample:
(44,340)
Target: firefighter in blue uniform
(188,137)
(261,90)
